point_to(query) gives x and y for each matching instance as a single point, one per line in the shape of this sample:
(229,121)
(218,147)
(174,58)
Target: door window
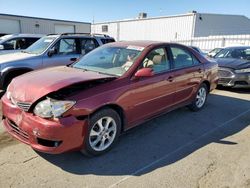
(157,60)
(88,45)
(15,44)
(67,46)
(183,58)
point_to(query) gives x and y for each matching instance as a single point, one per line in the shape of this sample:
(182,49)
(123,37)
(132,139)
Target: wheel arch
(207,84)
(116,108)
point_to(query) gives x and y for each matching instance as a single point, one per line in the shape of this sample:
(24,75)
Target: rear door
(67,50)
(188,73)
(87,45)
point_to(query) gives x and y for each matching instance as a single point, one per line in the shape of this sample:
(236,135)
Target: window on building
(105,28)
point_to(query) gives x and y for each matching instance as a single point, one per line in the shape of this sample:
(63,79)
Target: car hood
(9,57)
(34,85)
(233,63)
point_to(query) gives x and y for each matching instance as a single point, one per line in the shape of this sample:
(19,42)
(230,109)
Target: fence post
(223,42)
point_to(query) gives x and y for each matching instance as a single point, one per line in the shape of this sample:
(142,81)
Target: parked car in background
(87,105)
(16,42)
(213,52)
(234,66)
(50,50)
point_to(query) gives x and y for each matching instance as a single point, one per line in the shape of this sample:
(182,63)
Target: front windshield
(109,59)
(41,45)
(237,53)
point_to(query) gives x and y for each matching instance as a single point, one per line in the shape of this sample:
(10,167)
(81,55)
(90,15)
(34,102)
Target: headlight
(243,70)
(52,108)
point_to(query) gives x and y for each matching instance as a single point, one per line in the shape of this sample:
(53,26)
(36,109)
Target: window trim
(186,50)
(167,57)
(63,38)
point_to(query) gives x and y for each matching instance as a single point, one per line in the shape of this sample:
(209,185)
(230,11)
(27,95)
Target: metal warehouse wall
(211,42)
(112,29)
(43,26)
(161,28)
(216,24)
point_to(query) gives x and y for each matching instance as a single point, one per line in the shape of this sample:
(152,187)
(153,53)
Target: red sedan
(87,105)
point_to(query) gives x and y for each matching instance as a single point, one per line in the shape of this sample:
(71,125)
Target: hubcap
(102,134)
(201,97)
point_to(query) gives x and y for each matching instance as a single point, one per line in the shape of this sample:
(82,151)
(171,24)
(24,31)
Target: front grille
(225,73)
(17,130)
(224,81)
(23,105)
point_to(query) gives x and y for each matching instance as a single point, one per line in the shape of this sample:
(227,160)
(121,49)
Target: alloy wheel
(102,133)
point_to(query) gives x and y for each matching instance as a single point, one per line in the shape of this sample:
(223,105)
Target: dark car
(87,105)
(234,66)
(213,52)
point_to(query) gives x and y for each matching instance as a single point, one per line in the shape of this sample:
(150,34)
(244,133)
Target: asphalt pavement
(209,148)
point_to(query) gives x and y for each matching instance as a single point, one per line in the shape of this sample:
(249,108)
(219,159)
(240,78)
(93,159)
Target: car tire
(200,98)
(103,132)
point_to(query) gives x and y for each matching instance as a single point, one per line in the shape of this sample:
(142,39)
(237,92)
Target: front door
(67,50)
(150,95)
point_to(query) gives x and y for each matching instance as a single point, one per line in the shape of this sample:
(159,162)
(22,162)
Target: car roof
(237,47)
(139,43)
(82,35)
(23,35)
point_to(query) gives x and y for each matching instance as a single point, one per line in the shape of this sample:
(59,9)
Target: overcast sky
(108,10)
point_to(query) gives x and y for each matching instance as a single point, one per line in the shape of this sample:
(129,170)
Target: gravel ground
(209,148)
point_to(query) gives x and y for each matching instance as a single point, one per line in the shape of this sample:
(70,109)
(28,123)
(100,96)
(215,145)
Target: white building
(23,24)
(174,28)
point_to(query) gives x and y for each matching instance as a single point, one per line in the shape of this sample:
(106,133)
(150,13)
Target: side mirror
(144,72)
(51,52)
(1,47)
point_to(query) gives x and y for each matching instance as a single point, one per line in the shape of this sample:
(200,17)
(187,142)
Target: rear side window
(182,58)
(88,45)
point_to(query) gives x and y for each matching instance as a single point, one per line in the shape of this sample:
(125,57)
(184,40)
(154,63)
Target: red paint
(140,94)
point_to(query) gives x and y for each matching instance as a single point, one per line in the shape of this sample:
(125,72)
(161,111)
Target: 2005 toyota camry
(87,105)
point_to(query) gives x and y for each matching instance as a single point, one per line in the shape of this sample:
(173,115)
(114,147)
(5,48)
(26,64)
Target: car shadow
(166,139)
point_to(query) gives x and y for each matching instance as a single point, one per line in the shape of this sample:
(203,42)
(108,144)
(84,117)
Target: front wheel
(200,99)
(103,132)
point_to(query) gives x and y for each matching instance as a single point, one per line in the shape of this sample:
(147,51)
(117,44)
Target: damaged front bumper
(45,135)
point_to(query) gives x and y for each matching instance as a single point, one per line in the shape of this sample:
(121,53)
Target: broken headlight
(50,108)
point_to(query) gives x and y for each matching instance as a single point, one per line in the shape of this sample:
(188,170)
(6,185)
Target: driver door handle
(170,79)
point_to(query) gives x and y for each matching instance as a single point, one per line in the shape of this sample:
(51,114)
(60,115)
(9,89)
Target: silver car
(50,50)
(17,42)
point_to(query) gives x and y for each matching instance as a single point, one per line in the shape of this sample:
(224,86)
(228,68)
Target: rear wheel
(103,132)
(200,99)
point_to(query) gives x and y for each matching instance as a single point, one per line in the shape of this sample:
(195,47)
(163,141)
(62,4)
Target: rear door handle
(199,70)
(73,59)
(170,79)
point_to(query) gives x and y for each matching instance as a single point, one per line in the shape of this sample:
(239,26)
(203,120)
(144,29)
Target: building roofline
(150,18)
(169,16)
(38,18)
